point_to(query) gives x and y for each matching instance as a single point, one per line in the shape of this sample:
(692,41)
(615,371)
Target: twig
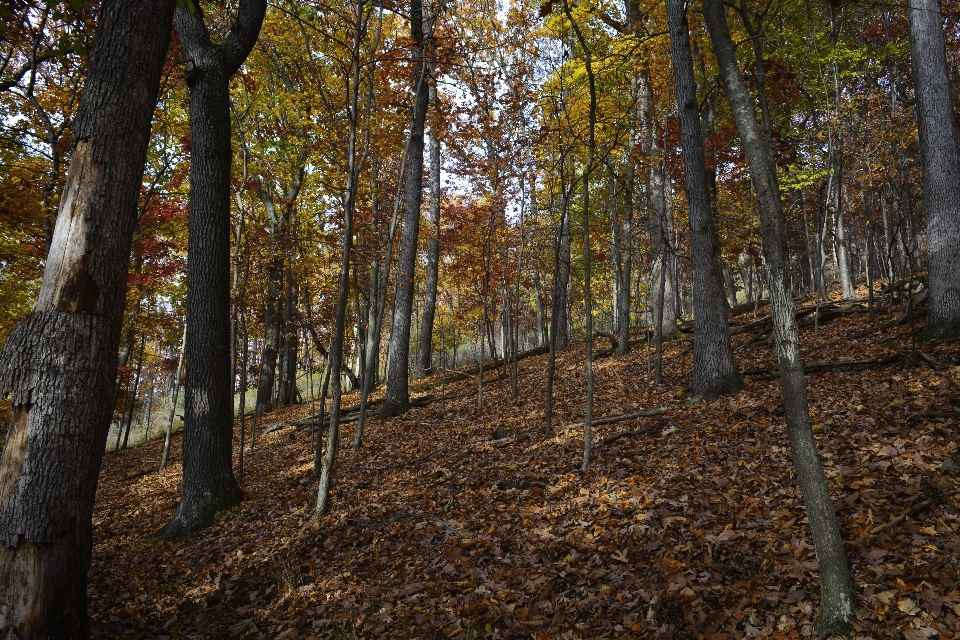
(627,434)
(916,509)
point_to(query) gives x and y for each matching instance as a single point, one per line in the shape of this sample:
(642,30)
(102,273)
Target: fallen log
(613,419)
(766,374)
(310,421)
(627,434)
(828,311)
(915,510)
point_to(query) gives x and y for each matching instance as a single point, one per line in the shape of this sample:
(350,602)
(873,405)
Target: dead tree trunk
(59,364)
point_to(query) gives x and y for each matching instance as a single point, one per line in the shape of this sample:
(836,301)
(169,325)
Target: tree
(397,398)
(59,363)
(836,599)
(714,369)
(425,351)
(940,162)
(209,485)
(354,166)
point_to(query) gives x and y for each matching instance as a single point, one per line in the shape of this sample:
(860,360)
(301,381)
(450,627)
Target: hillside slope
(691,527)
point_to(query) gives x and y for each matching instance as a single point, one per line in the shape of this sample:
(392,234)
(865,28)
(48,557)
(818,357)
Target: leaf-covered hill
(451,524)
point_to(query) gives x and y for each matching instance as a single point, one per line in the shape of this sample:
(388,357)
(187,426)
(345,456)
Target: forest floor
(691,528)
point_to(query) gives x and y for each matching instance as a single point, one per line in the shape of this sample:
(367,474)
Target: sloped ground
(693,530)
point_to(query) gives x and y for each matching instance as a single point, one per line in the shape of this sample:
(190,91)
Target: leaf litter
(694,529)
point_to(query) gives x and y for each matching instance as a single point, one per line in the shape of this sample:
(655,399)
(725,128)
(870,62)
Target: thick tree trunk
(60,363)
(940,164)
(715,372)
(836,598)
(209,485)
(397,397)
(433,252)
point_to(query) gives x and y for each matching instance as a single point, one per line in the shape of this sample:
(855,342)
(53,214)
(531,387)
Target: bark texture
(836,598)
(59,364)
(209,485)
(714,369)
(940,165)
(397,397)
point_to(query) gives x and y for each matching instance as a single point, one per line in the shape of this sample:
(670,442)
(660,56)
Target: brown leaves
(698,533)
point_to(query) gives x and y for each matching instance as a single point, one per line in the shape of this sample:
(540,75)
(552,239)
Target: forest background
(521,99)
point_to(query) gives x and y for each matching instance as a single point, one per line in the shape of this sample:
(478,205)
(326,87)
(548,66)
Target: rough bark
(397,397)
(59,364)
(836,598)
(714,369)
(940,166)
(209,485)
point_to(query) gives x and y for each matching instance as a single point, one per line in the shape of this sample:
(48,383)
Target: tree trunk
(136,388)
(561,291)
(59,364)
(658,225)
(209,485)
(585,228)
(343,293)
(836,598)
(731,287)
(397,397)
(178,375)
(940,165)
(271,336)
(289,343)
(714,369)
(433,251)
(626,264)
